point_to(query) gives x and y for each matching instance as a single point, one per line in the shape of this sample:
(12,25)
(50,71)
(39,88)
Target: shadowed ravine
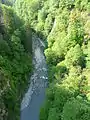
(35,96)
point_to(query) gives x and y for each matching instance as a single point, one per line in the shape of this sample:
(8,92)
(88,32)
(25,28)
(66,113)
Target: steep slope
(15,63)
(66,26)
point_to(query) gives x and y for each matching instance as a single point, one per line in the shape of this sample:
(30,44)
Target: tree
(75,28)
(8,16)
(74,57)
(48,24)
(75,110)
(88,55)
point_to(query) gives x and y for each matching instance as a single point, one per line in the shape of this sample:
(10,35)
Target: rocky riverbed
(35,96)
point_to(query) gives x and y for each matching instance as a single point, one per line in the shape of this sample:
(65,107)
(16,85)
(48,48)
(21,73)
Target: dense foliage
(67,56)
(66,26)
(15,63)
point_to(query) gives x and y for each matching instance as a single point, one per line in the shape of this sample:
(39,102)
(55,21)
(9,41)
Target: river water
(35,96)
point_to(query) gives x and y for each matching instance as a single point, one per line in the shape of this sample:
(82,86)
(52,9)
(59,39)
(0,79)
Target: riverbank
(35,95)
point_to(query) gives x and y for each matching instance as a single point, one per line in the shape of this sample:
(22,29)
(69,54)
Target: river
(35,95)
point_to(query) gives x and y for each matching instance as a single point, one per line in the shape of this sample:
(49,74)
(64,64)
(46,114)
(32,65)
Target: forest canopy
(15,63)
(65,26)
